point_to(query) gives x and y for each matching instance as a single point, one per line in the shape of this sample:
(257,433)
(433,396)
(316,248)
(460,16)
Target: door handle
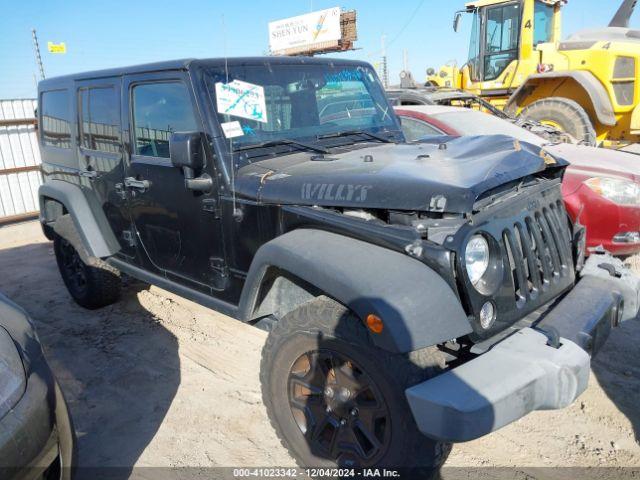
(131,182)
(90,174)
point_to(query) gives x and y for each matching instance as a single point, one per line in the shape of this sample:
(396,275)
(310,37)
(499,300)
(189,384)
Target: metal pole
(36,47)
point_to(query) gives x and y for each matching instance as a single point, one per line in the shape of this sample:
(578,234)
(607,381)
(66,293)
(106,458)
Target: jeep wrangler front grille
(539,251)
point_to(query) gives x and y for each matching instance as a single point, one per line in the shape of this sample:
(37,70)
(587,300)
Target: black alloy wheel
(339,409)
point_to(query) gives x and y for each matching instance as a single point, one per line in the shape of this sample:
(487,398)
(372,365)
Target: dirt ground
(156,380)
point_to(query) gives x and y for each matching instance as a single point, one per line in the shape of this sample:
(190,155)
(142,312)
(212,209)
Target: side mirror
(187,152)
(185,149)
(456,21)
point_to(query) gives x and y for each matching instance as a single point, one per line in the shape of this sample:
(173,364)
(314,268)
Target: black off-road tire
(91,286)
(565,113)
(323,325)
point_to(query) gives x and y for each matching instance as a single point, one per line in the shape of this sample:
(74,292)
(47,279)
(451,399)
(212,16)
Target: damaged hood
(442,174)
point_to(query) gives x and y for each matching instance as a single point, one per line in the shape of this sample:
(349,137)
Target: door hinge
(129,237)
(219,266)
(210,205)
(120,190)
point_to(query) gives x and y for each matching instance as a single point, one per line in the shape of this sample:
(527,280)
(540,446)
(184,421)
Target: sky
(112,33)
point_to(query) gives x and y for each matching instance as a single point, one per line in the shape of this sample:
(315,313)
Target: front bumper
(541,368)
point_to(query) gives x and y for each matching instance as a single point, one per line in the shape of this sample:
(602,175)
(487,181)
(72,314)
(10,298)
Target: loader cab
(504,35)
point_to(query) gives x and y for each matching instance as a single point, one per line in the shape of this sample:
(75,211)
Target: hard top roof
(187,63)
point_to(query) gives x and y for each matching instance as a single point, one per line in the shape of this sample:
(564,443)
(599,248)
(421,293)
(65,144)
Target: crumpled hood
(441,174)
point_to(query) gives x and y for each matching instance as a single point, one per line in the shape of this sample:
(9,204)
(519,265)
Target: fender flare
(366,278)
(88,217)
(597,93)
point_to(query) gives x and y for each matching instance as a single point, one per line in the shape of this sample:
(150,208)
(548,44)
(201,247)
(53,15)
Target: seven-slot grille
(539,251)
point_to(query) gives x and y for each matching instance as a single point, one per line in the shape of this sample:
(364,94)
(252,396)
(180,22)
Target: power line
(404,27)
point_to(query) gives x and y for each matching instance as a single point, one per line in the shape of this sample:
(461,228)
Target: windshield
(271,102)
(471,122)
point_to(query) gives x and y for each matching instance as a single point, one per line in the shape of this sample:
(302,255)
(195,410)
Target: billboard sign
(305,32)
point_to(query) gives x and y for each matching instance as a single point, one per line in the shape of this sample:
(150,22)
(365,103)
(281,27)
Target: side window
(414,129)
(501,39)
(543,23)
(160,109)
(100,119)
(56,119)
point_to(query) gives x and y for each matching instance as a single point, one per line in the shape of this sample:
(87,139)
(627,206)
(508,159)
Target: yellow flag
(57,47)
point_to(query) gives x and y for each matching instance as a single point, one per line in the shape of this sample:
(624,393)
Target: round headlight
(476,258)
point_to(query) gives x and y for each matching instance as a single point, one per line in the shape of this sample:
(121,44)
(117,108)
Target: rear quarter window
(56,119)
(100,119)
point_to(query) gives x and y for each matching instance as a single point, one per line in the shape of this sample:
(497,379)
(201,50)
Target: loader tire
(565,114)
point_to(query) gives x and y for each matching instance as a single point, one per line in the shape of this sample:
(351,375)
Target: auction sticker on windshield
(232,129)
(241,99)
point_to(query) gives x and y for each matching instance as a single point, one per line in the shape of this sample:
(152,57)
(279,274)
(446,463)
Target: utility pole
(385,70)
(36,48)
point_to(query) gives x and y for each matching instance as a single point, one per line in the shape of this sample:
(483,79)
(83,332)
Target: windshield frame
(210,73)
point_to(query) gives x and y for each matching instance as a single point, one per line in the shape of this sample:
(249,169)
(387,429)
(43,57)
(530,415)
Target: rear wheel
(335,399)
(564,114)
(91,286)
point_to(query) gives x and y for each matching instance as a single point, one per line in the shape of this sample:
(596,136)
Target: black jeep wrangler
(415,294)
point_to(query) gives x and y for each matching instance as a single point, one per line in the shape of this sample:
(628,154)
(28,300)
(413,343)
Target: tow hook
(611,270)
(553,337)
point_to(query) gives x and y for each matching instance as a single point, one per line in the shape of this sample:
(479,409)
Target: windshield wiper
(283,141)
(349,133)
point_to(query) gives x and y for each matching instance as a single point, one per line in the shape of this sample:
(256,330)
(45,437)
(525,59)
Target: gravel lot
(156,380)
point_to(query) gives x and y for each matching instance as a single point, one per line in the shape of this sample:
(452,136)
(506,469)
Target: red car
(601,188)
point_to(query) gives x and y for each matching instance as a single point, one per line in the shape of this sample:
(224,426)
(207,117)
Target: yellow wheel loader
(586,85)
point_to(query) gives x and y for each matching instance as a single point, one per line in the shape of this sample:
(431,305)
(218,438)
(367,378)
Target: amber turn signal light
(374,323)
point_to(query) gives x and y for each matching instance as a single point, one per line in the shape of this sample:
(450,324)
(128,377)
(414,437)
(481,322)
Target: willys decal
(335,192)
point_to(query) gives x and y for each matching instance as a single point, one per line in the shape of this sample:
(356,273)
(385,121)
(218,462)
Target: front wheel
(565,115)
(335,399)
